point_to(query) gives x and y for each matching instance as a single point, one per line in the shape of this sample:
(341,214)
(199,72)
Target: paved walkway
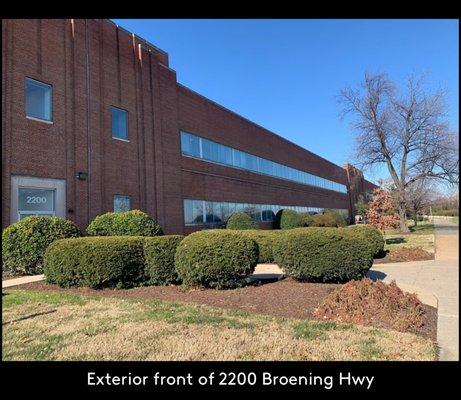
(22,280)
(439,277)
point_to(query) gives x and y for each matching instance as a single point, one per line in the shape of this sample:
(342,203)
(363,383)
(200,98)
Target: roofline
(141,39)
(257,125)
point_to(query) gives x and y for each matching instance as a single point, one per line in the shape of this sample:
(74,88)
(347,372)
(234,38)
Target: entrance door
(37,196)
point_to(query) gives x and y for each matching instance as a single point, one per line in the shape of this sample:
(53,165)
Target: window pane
(210,150)
(190,145)
(119,123)
(38,100)
(122,204)
(36,199)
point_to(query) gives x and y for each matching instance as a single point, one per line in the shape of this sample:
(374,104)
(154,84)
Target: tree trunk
(415,218)
(403,219)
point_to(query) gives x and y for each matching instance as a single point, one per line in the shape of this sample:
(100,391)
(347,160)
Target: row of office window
(197,212)
(198,147)
(39,106)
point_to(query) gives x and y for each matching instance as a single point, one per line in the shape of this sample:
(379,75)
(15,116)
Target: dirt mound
(403,254)
(373,303)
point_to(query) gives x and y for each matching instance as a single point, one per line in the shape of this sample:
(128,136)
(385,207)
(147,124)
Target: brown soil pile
(403,254)
(373,303)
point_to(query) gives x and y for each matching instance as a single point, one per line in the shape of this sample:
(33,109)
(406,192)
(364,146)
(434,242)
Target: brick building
(94,120)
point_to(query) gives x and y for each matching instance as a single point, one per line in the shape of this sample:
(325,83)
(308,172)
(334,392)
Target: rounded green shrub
(24,242)
(102,225)
(241,220)
(288,219)
(322,254)
(129,223)
(265,240)
(340,221)
(324,220)
(215,258)
(159,258)
(96,262)
(307,219)
(373,237)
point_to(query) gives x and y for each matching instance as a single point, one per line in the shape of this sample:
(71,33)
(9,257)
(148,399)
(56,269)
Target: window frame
(46,121)
(127,124)
(120,195)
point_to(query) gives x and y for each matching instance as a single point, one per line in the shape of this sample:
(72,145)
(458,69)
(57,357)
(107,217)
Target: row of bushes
(116,261)
(211,258)
(289,219)
(24,242)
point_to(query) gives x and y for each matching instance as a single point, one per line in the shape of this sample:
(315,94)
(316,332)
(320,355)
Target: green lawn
(421,235)
(57,326)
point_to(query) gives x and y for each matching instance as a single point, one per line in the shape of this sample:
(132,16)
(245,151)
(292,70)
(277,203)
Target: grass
(56,326)
(421,235)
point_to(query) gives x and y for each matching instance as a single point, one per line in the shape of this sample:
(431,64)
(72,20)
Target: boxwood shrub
(215,258)
(324,220)
(265,240)
(307,219)
(96,262)
(373,237)
(241,220)
(159,258)
(129,223)
(24,242)
(322,254)
(288,219)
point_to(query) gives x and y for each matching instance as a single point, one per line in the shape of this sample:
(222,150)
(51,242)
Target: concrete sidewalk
(439,277)
(22,280)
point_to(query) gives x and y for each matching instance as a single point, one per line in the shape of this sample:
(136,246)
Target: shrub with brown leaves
(377,304)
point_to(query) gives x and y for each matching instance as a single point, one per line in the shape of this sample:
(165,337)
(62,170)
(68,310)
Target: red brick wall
(126,72)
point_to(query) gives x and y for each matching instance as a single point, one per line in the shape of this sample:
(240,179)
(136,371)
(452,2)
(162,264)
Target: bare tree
(408,133)
(419,196)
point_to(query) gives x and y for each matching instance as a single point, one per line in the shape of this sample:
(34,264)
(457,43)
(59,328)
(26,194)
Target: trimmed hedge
(307,219)
(24,242)
(265,240)
(241,220)
(373,237)
(339,219)
(324,220)
(96,262)
(130,223)
(323,254)
(159,258)
(215,258)
(288,219)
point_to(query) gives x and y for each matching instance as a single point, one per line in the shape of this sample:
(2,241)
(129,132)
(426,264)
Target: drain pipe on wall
(88,136)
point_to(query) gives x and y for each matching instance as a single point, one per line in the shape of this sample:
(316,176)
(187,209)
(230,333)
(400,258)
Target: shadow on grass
(28,317)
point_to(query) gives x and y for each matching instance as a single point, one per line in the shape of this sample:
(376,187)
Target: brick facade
(93,65)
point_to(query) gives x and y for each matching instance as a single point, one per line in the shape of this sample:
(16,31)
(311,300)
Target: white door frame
(58,185)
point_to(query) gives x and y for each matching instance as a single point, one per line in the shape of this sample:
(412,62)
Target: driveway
(439,277)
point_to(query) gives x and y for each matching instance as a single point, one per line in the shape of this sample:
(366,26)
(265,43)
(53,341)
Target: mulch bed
(284,298)
(403,254)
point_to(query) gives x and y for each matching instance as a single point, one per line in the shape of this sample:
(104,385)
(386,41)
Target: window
(38,100)
(119,123)
(190,145)
(35,202)
(195,146)
(200,212)
(122,204)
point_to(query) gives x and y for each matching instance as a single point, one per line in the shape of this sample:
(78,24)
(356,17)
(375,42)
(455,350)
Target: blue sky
(285,74)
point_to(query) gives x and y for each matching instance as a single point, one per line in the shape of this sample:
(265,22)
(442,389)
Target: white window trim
(46,121)
(122,140)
